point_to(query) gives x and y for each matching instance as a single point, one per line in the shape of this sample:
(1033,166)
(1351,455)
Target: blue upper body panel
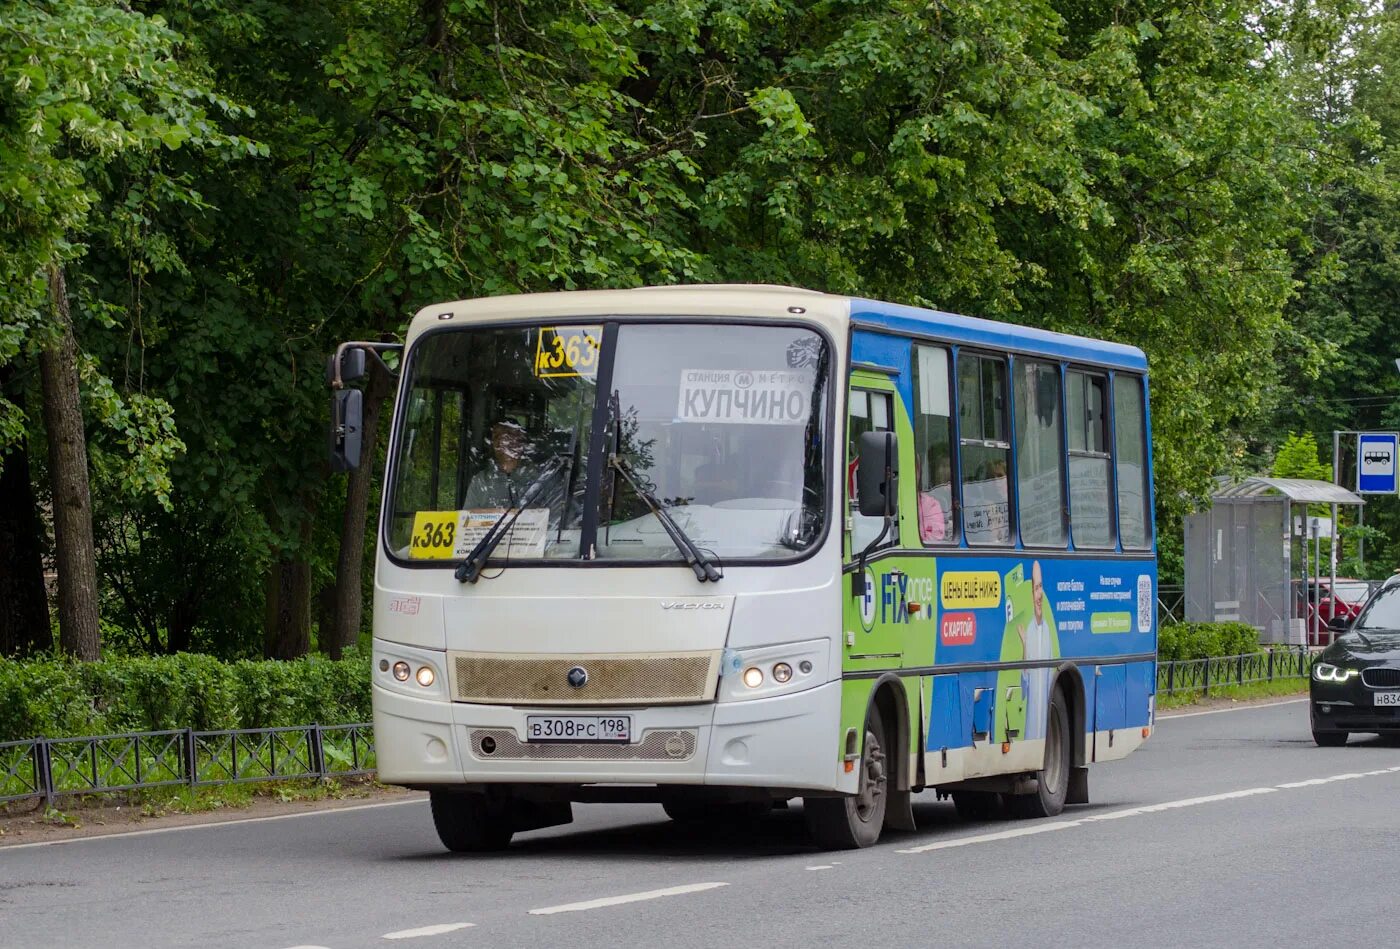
(970,331)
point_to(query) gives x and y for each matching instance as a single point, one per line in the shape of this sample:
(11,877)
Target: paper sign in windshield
(451,535)
(526,536)
(745,396)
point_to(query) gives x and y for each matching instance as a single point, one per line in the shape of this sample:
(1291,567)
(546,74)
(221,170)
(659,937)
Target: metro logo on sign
(1375,463)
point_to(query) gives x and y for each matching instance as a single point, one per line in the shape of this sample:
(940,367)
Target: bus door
(889,619)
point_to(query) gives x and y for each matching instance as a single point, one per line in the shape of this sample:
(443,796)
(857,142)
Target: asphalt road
(1226,829)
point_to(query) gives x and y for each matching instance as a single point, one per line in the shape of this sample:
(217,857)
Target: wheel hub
(872,778)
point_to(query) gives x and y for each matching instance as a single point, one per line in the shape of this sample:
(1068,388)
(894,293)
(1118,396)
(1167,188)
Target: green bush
(59,698)
(1204,640)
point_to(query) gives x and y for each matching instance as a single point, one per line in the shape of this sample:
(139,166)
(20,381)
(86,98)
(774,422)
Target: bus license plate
(579,728)
(1387,698)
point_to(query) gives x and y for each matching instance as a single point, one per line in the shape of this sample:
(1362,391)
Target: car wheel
(1331,739)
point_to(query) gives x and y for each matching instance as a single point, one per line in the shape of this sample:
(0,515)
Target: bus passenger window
(986,453)
(933,445)
(1040,483)
(1134,520)
(1090,495)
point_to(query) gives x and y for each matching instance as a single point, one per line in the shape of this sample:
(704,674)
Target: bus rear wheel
(853,821)
(1052,784)
(470,823)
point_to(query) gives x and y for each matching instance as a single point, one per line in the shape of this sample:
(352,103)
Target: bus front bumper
(787,741)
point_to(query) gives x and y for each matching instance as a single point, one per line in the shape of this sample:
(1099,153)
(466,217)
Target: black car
(1356,681)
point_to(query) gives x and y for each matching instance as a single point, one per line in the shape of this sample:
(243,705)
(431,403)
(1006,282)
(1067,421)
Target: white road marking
(223,823)
(628,898)
(306,947)
(1166,716)
(824,866)
(436,930)
(1028,831)
(1045,828)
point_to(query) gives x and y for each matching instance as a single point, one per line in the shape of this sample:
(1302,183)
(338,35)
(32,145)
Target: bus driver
(507,473)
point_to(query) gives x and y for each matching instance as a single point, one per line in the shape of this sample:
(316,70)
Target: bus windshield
(723,424)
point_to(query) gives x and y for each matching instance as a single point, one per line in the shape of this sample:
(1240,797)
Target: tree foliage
(236,187)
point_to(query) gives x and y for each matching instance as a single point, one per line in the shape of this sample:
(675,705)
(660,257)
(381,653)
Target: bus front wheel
(1052,784)
(470,823)
(849,822)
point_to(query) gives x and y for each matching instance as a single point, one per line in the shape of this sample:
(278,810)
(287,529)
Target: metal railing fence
(48,768)
(1202,675)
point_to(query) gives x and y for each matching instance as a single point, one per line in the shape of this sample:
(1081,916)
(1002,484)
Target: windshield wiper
(470,569)
(698,560)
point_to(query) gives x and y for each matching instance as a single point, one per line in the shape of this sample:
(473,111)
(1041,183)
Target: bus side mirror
(352,365)
(347,426)
(877,475)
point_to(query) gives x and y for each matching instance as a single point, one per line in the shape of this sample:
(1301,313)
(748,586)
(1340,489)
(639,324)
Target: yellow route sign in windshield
(568,351)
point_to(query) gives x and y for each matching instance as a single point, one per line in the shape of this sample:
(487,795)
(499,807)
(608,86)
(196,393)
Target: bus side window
(986,451)
(1130,443)
(1040,480)
(870,412)
(933,446)
(1090,464)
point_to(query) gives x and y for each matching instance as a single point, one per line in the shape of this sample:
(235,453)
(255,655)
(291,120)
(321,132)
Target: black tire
(853,821)
(1048,799)
(1331,739)
(699,811)
(470,823)
(976,805)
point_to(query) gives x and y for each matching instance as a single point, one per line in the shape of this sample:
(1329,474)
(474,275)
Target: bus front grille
(637,679)
(657,744)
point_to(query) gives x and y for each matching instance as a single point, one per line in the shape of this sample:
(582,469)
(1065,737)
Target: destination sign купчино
(745,396)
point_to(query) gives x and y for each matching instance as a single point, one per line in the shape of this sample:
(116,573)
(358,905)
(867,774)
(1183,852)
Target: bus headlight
(409,670)
(764,671)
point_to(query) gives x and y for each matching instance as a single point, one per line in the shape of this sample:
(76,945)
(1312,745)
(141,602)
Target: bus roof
(774,302)
(967,330)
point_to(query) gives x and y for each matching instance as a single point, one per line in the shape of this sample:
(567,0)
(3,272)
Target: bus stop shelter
(1251,555)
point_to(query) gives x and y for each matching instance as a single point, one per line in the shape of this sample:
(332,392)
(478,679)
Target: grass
(161,802)
(1250,690)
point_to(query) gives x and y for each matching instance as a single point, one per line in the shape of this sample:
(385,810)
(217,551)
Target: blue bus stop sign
(1375,463)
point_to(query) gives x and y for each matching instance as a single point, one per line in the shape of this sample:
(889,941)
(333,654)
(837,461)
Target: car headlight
(1326,672)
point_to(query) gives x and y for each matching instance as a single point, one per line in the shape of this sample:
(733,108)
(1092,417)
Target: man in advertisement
(1036,646)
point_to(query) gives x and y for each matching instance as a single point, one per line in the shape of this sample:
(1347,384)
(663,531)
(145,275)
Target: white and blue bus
(722,547)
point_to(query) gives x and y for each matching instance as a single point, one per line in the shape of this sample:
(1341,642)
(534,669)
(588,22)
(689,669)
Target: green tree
(1297,457)
(90,90)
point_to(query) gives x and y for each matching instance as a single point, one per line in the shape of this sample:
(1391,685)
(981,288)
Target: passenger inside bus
(934,499)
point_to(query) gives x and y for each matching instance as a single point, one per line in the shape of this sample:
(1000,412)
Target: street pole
(1336,524)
